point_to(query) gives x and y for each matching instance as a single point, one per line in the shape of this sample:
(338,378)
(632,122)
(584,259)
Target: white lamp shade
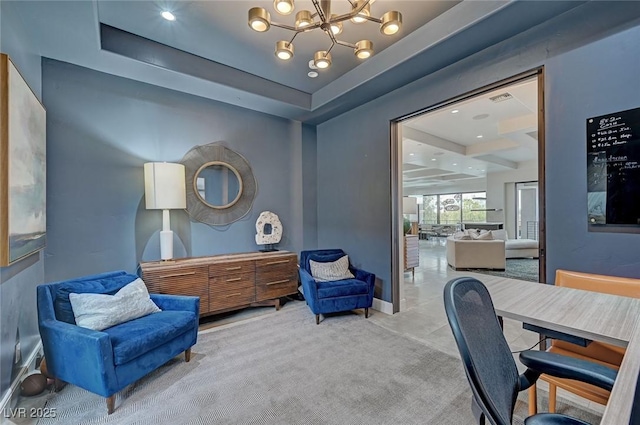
(164,186)
(409,205)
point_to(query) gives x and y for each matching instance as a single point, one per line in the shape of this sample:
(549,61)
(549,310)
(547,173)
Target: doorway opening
(473,163)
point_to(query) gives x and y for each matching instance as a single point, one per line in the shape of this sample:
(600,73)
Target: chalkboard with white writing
(613,169)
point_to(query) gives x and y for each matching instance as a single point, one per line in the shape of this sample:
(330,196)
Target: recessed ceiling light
(479,136)
(433,159)
(168,16)
(481,170)
(312,74)
(455,163)
(470,168)
(411,154)
(455,111)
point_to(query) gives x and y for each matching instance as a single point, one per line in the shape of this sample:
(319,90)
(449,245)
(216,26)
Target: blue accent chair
(104,362)
(339,295)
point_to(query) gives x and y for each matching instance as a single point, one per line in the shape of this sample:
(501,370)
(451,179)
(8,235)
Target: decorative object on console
(268,230)
(220,187)
(23,184)
(331,24)
(164,189)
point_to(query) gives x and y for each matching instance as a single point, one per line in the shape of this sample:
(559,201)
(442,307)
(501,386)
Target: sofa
(104,362)
(517,248)
(476,254)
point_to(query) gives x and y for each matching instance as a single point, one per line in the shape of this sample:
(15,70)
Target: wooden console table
(226,282)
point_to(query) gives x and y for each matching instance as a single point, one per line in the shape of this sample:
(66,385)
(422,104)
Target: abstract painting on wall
(22,167)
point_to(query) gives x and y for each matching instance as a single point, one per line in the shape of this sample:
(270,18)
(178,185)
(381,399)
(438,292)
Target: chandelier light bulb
(322,59)
(283,7)
(259,19)
(364,49)
(391,22)
(360,17)
(284,50)
(303,19)
(336,27)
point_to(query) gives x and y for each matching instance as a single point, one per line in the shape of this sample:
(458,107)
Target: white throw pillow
(484,235)
(330,271)
(462,235)
(101,311)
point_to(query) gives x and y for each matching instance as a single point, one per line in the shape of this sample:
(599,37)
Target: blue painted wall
(18,282)
(102,129)
(590,70)
(310,186)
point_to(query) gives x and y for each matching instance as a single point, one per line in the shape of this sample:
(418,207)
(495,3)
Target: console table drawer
(231,267)
(180,281)
(232,298)
(268,289)
(271,263)
(229,282)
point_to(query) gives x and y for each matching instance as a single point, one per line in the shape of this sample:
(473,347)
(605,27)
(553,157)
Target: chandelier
(331,24)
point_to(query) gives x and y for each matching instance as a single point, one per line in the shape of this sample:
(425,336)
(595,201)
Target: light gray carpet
(282,368)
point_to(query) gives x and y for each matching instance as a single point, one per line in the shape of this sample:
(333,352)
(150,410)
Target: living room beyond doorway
(473,163)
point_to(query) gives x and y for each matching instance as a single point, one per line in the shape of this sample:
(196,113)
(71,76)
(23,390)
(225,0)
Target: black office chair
(489,364)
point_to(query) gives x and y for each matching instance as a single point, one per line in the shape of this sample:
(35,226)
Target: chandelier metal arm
(373,19)
(290,28)
(344,43)
(321,14)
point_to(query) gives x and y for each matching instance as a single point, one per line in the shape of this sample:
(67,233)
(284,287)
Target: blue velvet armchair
(104,362)
(339,295)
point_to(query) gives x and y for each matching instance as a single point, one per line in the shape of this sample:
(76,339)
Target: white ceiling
(210,51)
(443,147)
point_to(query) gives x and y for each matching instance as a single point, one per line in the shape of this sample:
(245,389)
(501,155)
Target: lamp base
(166,245)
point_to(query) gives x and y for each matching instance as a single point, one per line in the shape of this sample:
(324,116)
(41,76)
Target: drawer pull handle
(276,262)
(234,268)
(178,274)
(233,295)
(278,281)
(235,279)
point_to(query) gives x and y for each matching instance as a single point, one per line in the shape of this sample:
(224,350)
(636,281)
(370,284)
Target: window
(454,208)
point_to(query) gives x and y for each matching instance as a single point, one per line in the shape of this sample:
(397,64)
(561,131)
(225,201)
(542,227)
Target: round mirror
(218,184)
(221,186)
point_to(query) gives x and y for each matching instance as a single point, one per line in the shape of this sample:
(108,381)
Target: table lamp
(410,209)
(164,189)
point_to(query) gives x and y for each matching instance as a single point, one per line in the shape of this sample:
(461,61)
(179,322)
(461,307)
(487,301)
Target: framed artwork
(22,167)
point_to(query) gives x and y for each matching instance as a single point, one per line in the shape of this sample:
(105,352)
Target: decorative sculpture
(268,230)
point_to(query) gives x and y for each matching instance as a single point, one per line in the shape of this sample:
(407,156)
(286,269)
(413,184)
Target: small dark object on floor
(33,384)
(43,368)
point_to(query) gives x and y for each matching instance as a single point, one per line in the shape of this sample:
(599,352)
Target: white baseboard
(382,306)
(28,367)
